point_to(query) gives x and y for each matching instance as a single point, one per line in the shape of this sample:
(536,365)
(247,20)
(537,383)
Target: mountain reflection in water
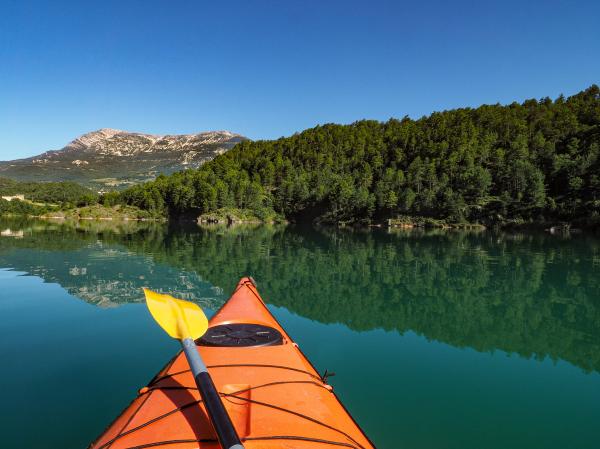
(535,295)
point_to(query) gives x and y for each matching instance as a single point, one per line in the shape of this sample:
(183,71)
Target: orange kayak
(274,396)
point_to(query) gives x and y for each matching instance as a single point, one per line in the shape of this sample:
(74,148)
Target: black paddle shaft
(224,429)
(226,434)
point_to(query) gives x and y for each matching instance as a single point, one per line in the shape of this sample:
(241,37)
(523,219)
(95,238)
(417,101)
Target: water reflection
(92,261)
(535,295)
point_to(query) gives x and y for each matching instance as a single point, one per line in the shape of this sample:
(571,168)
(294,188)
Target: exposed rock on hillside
(110,158)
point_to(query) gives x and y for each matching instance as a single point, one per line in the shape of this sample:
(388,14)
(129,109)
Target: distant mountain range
(111,158)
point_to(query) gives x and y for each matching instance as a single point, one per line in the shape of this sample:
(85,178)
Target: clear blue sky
(271,68)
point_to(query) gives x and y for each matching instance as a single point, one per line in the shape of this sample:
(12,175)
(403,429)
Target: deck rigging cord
(275,437)
(236,365)
(355,445)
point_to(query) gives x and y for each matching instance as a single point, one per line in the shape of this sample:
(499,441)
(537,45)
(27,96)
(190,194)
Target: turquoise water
(438,339)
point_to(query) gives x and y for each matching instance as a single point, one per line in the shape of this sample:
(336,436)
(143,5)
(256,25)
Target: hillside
(48,192)
(533,161)
(110,158)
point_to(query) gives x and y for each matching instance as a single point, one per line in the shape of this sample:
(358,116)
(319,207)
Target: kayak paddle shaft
(226,434)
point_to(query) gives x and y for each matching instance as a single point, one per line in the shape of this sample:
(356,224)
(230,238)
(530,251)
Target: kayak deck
(274,396)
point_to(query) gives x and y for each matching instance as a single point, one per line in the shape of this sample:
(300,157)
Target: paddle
(186,322)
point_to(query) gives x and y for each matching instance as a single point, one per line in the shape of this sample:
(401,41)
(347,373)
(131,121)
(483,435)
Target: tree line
(536,160)
(42,197)
(65,192)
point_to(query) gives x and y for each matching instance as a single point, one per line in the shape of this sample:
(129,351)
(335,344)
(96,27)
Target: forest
(535,161)
(49,192)
(42,197)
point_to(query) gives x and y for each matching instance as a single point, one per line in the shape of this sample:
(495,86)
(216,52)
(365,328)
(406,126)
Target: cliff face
(111,158)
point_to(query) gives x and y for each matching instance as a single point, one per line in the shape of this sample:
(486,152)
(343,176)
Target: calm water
(465,340)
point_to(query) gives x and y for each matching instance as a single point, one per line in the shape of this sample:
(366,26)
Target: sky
(267,69)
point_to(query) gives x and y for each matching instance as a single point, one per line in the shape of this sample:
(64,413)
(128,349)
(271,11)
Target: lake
(464,339)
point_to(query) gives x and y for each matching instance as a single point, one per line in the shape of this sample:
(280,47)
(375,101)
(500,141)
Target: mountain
(111,158)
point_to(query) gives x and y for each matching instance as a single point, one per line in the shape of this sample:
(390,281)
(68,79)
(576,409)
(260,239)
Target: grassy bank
(99,212)
(427,222)
(230,215)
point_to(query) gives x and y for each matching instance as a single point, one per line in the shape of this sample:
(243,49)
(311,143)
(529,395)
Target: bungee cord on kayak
(183,387)
(149,389)
(237,365)
(300,415)
(276,437)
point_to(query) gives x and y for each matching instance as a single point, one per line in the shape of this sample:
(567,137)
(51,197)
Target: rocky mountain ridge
(112,158)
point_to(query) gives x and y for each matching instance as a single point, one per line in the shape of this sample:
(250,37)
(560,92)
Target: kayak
(274,396)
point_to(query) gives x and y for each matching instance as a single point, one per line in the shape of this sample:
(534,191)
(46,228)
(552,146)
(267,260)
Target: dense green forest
(64,199)
(41,198)
(69,193)
(22,208)
(534,161)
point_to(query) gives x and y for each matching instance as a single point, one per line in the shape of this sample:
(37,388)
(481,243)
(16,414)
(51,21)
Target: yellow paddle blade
(180,319)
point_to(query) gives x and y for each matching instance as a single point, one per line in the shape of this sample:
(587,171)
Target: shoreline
(552,227)
(60,217)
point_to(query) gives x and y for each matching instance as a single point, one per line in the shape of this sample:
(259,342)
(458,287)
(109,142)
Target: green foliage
(16,207)
(109,199)
(64,193)
(232,215)
(101,212)
(490,164)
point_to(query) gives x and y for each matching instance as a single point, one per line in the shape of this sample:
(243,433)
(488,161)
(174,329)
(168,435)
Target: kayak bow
(273,395)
